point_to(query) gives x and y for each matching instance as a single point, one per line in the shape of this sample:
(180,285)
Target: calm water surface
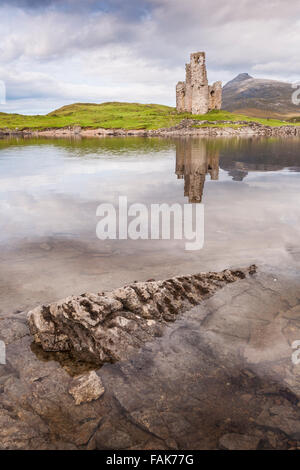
(50,190)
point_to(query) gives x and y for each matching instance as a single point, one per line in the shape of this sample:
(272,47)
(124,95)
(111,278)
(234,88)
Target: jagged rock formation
(195,95)
(107,327)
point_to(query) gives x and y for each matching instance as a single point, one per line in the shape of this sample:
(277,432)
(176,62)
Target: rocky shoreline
(187,127)
(219,377)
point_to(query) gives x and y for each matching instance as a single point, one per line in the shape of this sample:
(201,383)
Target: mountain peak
(241,77)
(258,97)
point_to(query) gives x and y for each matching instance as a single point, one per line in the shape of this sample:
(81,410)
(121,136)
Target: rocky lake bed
(220,376)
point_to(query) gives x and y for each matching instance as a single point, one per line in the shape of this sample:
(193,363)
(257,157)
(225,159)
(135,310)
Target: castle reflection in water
(194,160)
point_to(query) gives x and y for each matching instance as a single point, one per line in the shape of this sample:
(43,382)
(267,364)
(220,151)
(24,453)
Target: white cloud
(53,53)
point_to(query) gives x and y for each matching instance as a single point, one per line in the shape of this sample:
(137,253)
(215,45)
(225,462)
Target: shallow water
(50,190)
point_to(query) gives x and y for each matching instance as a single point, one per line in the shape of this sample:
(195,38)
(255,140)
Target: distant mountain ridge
(259,97)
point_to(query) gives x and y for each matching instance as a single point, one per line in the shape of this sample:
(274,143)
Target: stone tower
(195,95)
(180,97)
(188,88)
(215,96)
(200,98)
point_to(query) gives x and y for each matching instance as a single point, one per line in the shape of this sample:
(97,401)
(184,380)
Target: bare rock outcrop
(107,327)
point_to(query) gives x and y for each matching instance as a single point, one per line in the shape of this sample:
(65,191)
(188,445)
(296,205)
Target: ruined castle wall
(218,91)
(215,96)
(195,95)
(180,97)
(188,88)
(200,101)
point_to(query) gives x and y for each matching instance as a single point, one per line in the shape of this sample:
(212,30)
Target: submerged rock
(107,327)
(197,387)
(236,441)
(86,388)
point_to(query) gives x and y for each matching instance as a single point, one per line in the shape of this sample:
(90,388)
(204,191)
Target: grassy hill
(117,116)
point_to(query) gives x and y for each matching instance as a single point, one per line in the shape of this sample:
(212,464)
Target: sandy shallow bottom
(220,377)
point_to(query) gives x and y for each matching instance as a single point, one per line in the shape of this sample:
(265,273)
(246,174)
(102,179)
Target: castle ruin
(195,95)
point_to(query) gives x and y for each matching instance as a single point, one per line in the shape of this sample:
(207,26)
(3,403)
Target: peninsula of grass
(119,116)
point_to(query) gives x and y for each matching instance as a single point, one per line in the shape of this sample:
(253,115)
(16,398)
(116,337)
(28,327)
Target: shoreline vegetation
(115,118)
(127,116)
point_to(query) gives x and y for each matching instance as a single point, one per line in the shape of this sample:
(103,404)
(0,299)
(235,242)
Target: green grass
(119,116)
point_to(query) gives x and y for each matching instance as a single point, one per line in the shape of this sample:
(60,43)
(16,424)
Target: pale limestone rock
(86,388)
(108,327)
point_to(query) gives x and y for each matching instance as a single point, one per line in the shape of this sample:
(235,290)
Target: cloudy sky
(55,52)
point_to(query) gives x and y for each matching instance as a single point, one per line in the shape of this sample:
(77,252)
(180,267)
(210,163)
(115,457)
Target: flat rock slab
(210,382)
